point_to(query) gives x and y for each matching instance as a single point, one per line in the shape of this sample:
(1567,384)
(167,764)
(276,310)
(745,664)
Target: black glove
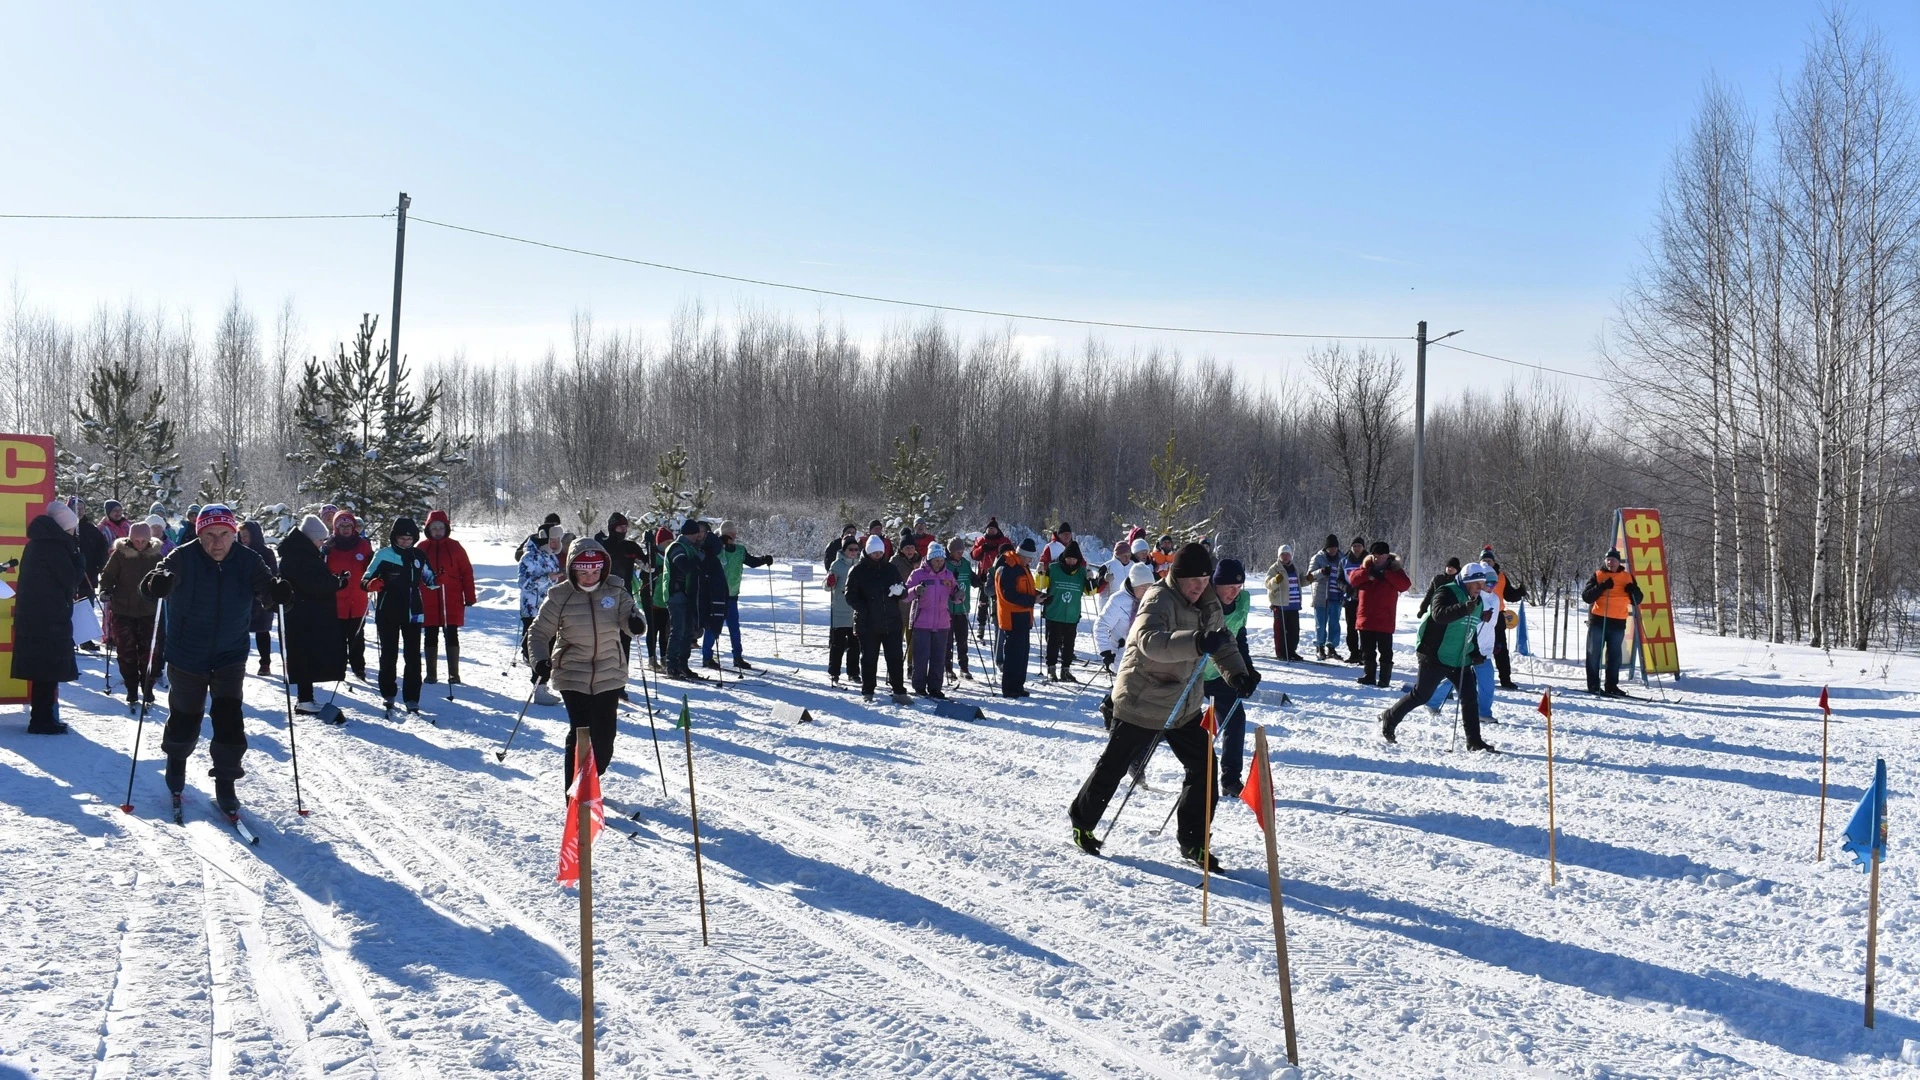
(1106,658)
(158,584)
(1245,685)
(342,579)
(282,591)
(542,670)
(1607,584)
(1486,614)
(636,625)
(1212,642)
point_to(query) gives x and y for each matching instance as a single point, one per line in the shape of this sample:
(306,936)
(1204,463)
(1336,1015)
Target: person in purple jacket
(931,587)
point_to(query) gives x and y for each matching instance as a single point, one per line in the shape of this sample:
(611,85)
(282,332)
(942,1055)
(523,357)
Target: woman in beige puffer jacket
(576,642)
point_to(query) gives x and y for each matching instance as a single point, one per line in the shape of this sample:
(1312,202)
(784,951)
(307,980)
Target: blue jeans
(732,624)
(1326,625)
(681,631)
(1233,732)
(1608,636)
(1483,677)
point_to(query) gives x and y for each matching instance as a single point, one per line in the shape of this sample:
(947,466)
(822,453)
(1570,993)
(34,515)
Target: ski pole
(1198,667)
(286,680)
(446,631)
(773,614)
(126,805)
(1183,791)
(501,754)
(657,759)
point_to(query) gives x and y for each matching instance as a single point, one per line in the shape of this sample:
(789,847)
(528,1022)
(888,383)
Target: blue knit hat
(1229,572)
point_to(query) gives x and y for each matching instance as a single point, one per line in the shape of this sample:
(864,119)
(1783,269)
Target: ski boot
(1086,841)
(1387,725)
(1204,859)
(740,663)
(224,796)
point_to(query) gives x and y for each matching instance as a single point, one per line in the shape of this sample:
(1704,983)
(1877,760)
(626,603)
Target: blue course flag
(1867,831)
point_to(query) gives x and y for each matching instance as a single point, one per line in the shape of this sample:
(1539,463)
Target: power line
(906,303)
(191,217)
(1518,363)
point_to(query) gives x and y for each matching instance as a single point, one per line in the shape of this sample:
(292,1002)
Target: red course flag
(1546,704)
(1209,721)
(586,785)
(1824,707)
(1255,793)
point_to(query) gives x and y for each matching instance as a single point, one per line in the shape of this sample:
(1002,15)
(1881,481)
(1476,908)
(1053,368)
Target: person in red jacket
(986,556)
(1378,582)
(446,606)
(348,553)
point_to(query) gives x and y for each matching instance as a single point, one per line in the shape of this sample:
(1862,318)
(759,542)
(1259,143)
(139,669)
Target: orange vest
(1022,586)
(1614,603)
(1161,560)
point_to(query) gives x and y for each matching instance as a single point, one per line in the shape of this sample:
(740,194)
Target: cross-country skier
(1178,625)
(262,626)
(734,558)
(131,611)
(1283,599)
(1612,594)
(1376,585)
(841,639)
(399,573)
(1329,598)
(1014,597)
(683,558)
(575,643)
(1441,580)
(309,629)
(1505,591)
(1447,646)
(445,607)
(1230,588)
(931,587)
(962,572)
(348,553)
(873,590)
(52,577)
(209,585)
(1066,584)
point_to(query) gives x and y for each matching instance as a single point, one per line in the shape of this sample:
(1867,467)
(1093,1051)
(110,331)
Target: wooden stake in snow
(1873,928)
(1263,779)
(583,765)
(1553,863)
(1820,841)
(693,811)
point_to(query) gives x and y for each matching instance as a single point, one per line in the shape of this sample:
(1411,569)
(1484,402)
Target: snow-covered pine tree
(1171,505)
(675,499)
(368,445)
(223,483)
(912,490)
(130,447)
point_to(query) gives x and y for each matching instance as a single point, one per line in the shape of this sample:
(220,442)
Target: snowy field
(892,893)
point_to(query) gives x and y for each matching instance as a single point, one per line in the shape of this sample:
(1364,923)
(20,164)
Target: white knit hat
(314,528)
(1140,574)
(936,550)
(63,515)
(157,523)
(1140,546)
(875,545)
(1286,549)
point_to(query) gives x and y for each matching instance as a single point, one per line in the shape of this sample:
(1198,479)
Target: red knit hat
(216,515)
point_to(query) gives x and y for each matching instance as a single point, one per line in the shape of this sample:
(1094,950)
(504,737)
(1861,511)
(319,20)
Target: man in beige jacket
(1178,625)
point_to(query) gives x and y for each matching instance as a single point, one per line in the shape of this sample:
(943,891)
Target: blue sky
(1491,168)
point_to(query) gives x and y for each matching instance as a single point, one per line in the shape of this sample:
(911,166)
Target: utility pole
(1419,441)
(393,323)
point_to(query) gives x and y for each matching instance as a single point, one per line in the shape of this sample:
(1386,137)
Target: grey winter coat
(836,587)
(1327,578)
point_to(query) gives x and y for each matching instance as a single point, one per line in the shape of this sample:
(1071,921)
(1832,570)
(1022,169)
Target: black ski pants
(1060,641)
(872,644)
(842,641)
(1502,660)
(353,632)
(600,715)
(394,635)
(1376,656)
(1352,606)
(187,694)
(1125,742)
(1431,676)
(1286,633)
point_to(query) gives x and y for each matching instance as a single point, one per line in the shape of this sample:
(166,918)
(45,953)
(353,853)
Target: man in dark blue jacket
(683,598)
(208,586)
